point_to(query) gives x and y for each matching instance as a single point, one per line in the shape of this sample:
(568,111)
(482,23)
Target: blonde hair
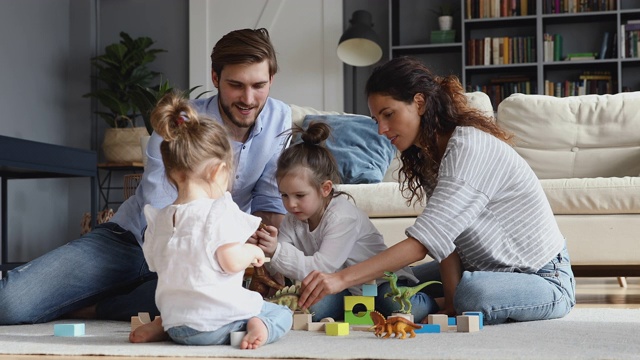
(189,139)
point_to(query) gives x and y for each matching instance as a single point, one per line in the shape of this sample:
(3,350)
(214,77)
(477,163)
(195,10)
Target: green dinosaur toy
(403,294)
(288,296)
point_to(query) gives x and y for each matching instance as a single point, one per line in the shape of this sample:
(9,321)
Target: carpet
(585,333)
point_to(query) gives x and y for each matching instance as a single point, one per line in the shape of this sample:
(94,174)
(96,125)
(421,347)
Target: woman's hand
(448,308)
(267,239)
(316,286)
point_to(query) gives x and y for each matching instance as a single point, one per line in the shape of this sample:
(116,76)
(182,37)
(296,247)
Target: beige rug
(583,334)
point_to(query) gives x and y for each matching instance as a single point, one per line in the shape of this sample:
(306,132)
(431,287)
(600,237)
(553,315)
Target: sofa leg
(622,281)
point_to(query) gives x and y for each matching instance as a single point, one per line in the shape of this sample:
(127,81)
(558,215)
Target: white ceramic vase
(445,22)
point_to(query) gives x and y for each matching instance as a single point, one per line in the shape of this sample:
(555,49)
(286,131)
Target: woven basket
(122,145)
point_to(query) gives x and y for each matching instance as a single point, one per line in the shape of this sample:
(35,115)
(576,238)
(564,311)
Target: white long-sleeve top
(344,237)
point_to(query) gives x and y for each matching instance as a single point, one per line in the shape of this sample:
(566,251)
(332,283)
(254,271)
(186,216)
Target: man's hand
(316,286)
(267,239)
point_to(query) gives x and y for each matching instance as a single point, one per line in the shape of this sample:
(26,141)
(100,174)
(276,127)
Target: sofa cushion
(381,200)
(593,195)
(575,137)
(363,156)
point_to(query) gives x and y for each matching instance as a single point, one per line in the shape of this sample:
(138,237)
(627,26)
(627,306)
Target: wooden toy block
(476,313)
(468,323)
(439,319)
(369,290)
(428,329)
(236,337)
(402,315)
(351,301)
(300,321)
(362,318)
(315,326)
(452,321)
(337,328)
(327,319)
(141,319)
(362,328)
(68,329)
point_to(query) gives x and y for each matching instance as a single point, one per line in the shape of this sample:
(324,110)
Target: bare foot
(151,332)
(257,334)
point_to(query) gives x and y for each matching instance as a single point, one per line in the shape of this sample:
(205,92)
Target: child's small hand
(259,258)
(267,239)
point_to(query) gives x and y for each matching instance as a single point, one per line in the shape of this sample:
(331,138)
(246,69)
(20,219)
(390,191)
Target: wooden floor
(590,293)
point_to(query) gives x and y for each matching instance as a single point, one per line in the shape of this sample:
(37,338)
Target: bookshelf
(578,28)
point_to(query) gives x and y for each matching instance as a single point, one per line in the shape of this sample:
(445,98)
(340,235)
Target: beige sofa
(586,152)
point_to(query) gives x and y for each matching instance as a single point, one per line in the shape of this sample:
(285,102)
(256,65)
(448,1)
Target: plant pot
(445,22)
(122,145)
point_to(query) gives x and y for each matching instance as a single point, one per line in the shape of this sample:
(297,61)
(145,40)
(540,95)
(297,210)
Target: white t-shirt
(193,290)
(344,237)
(489,205)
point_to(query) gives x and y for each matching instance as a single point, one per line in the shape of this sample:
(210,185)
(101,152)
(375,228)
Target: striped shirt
(489,206)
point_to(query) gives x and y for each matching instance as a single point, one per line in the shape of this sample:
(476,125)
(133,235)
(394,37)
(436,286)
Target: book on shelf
(581,56)
(604,48)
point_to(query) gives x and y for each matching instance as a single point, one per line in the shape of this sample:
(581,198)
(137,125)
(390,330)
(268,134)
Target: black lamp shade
(359,45)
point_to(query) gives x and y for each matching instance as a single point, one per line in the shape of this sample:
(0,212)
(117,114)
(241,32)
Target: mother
(487,222)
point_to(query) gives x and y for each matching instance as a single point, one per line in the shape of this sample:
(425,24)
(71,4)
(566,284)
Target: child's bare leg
(257,334)
(150,332)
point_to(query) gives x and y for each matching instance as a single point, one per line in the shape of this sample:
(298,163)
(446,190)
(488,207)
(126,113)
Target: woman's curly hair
(445,108)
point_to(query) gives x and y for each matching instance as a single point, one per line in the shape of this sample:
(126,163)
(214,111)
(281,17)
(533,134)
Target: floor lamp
(359,45)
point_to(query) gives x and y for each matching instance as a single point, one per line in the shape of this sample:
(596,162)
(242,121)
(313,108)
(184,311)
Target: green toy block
(68,329)
(351,301)
(337,328)
(354,319)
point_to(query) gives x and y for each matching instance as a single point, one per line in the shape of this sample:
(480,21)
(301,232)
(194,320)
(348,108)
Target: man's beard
(227,111)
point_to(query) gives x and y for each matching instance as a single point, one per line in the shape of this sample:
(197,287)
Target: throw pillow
(362,155)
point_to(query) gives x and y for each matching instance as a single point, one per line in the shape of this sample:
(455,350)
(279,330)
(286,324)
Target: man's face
(242,92)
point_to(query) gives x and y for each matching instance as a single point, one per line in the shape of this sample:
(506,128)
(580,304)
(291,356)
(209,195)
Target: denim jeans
(330,306)
(277,318)
(512,296)
(105,266)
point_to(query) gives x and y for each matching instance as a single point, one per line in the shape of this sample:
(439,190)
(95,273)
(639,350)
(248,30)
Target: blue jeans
(511,296)
(104,267)
(277,318)
(330,306)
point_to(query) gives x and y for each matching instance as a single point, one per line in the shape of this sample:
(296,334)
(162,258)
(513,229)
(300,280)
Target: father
(103,274)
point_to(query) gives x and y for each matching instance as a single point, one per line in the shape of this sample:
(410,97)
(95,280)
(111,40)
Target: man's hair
(245,46)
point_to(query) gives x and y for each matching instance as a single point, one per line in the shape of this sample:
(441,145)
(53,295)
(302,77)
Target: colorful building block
(315,326)
(337,328)
(428,328)
(452,321)
(351,301)
(68,329)
(439,319)
(403,315)
(300,321)
(369,290)
(362,318)
(476,313)
(468,323)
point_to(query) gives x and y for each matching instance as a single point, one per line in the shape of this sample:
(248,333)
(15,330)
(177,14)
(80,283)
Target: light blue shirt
(254,184)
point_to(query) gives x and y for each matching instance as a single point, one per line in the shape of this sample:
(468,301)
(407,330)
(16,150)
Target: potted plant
(119,71)
(445,16)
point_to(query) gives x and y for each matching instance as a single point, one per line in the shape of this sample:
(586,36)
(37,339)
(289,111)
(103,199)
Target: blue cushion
(363,156)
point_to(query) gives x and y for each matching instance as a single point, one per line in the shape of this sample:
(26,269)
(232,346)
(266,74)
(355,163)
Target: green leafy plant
(444,10)
(146,98)
(121,69)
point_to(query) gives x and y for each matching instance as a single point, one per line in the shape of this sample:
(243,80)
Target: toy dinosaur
(262,282)
(288,296)
(403,294)
(395,325)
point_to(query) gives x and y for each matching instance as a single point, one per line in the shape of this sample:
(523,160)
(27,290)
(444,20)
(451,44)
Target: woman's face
(397,120)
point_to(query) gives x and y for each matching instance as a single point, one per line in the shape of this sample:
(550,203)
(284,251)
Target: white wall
(305,34)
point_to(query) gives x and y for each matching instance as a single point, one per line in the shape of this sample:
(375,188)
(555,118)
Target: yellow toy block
(337,328)
(351,301)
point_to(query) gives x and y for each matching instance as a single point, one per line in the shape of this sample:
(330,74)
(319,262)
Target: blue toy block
(428,329)
(452,321)
(476,313)
(369,290)
(68,329)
